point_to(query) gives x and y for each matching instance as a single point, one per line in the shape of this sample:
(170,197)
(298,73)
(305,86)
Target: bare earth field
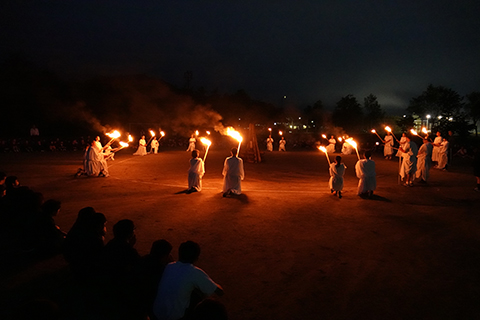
(286,248)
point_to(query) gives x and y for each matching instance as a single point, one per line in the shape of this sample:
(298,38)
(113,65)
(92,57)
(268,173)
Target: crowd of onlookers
(113,279)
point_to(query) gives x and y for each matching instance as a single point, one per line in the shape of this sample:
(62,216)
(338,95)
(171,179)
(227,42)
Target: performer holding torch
(337,171)
(196,172)
(233,174)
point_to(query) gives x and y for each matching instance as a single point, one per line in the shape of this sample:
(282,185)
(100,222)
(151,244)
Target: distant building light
(291,126)
(284,97)
(299,118)
(312,121)
(239,119)
(428,116)
(439,117)
(450,119)
(274,123)
(404,115)
(304,127)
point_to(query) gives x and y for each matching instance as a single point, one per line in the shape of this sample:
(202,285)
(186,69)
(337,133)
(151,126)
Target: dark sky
(306,50)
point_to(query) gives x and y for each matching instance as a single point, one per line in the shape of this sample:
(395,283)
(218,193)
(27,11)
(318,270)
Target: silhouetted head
(188,252)
(195,153)
(338,159)
(233,151)
(161,248)
(11,182)
(51,207)
(367,154)
(123,229)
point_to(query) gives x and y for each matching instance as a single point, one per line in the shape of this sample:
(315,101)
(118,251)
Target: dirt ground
(286,248)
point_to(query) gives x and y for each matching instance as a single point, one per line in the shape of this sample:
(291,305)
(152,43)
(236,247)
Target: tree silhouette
(374,115)
(348,114)
(473,108)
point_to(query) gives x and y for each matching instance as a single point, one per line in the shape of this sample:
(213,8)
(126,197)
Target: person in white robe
(337,171)
(270,143)
(365,171)
(436,146)
(409,163)
(154,146)
(424,161)
(347,148)
(233,174)
(196,172)
(281,144)
(95,164)
(142,147)
(331,144)
(388,146)
(191,143)
(443,155)
(402,142)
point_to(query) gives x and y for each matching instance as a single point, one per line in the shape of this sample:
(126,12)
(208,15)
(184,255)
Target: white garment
(175,288)
(195,173)
(95,162)
(403,140)
(233,174)
(365,171)
(154,146)
(443,155)
(336,176)
(142,148)
(98,146)
(388,150)
(281,145)
(269,144)
(409,163)
(191,144)
(436,148)
(347,148)
(424,161)
(331,145)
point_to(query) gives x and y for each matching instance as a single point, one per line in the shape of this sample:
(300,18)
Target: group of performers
(281,143)
(414,163)
(142,146)
(332,146)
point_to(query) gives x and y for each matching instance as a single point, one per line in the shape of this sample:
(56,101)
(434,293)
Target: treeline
(32,95)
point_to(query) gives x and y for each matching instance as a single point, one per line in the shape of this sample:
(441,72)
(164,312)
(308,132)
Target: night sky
(305,50)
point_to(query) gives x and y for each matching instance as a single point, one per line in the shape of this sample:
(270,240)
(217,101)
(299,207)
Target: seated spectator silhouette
(83,245)
(119,256)
(11,184)
(150,271)
(44,235)
(183,285)
(210,309)
(3,177)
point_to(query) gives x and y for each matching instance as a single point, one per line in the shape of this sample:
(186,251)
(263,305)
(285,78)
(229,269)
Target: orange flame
(130,138)
(322,148)
(115,134)
(152,133)
(206,141)
(414,132)
(324,136)
(162,133)
(234,134)
(387,128)
(123,144)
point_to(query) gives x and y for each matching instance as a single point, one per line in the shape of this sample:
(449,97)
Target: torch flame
(340,139)
(115,134)
(162,133)
(152,133)
(351,142)
(387,128)
(206,141)
(414,132)
(424,130)
(322,148)
(234,134)
(196,132)
(324,136)
(270,129)
(373,131)
(130,138)
(123,144)
(208,132)
(280,133)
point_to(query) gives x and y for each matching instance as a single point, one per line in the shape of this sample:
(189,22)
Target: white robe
(388,150)
(443,155)
(269,144)
(281,145)
(142,148)
(424,161)
(347,148)
(409,163)
(233,174)
(336,176)
(436,150)
(331,145)
(365,171)
(154,146)
(403,141)
(191,144)
(195,173)
(95,163)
